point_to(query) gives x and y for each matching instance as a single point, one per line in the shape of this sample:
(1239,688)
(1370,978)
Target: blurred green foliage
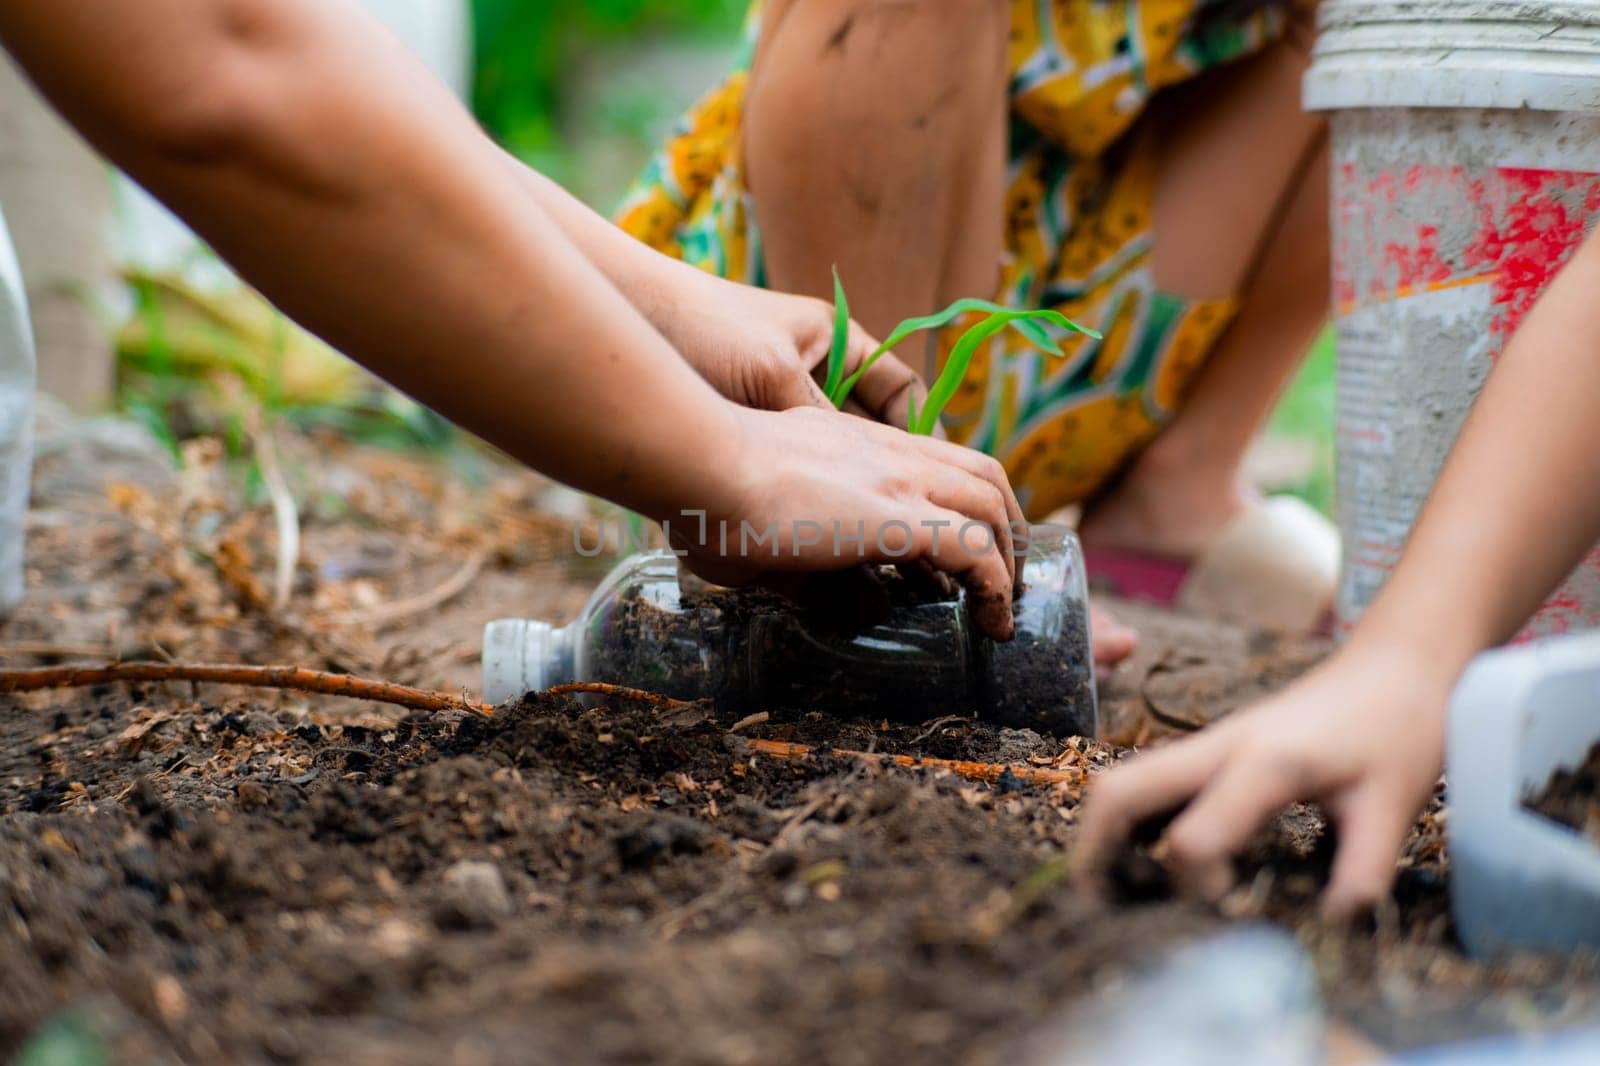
(1306,414)
(526,50)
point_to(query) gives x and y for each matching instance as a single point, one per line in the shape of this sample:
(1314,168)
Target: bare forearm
(652,282)
(352,190)
(1518,503)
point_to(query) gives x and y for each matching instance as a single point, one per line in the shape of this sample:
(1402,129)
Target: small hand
(805,474)
(769,350)
(1362,736)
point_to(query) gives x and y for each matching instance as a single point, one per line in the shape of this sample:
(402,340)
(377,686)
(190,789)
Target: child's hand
(768,349)
(1362,736)
(820,490)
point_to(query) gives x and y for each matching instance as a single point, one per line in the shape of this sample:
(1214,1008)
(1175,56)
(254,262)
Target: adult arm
(325,164)
(1516,507)
(757,347)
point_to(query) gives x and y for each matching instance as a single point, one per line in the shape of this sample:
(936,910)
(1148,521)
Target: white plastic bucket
(1466,170)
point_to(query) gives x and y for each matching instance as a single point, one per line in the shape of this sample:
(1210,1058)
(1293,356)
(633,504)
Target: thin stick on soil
(620,692)
(988,772)
(280,677)
(285,515)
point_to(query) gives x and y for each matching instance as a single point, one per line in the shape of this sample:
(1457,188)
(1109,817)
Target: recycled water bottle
(749,650)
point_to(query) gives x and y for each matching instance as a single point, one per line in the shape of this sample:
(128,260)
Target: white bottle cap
(517,653)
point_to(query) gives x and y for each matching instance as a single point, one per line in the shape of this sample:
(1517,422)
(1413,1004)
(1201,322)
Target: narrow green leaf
(955,368)
(1036,334)
(841,340)
(927,322)
(1027,325)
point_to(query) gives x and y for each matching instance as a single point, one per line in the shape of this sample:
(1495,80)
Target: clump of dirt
(609,884)
(1572,797)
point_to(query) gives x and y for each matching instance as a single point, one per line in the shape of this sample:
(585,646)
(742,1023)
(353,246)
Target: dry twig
(285,514)
(280,677)
(938,724)
(988,772)
(621,692)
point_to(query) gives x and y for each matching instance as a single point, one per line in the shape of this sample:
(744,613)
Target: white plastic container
(1465,140)
(1517,878)
(17,376)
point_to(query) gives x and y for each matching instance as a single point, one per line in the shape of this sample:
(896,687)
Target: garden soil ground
(226,875)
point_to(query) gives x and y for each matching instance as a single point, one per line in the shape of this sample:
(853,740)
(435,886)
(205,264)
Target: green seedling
(1027,323)
(944,387)
(841,344)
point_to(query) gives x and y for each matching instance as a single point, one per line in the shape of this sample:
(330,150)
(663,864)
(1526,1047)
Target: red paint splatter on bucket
(1542,221)
(1525,223)
(1418,263)
(1500,234)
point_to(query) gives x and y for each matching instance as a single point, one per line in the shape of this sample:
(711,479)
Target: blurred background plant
(582,91)
(1300,435)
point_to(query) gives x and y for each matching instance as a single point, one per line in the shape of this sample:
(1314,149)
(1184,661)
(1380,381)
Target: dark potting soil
(1572,797)
(873,643)
(1041,685)
(560,884)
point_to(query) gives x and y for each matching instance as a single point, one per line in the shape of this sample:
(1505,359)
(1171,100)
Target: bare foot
(1113,641)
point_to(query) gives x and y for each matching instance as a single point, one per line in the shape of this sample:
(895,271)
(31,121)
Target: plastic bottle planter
(1519,879)
(748,651)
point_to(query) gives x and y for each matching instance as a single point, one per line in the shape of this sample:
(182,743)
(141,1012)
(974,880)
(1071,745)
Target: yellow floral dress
(1077,208)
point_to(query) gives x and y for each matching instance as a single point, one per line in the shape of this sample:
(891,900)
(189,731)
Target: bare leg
(1241,207)
(874,140)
